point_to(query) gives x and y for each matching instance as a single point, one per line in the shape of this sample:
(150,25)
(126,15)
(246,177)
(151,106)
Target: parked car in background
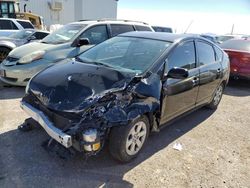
(18,39)
(238,51)
(222,38)
(66,42)
(124,88)
(9,26)
(162,29)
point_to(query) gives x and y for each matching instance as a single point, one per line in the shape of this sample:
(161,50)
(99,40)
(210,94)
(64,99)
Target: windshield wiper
(93,62)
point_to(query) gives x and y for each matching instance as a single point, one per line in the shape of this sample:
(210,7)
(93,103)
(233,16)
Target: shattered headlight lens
(31,57)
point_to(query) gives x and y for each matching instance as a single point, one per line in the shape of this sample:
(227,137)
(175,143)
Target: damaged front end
(87,126)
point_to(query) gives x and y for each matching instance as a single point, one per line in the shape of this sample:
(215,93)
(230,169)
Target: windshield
(22,34)
(64,34)
(126,53)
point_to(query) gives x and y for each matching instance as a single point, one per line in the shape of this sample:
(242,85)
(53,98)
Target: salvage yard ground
(216,151)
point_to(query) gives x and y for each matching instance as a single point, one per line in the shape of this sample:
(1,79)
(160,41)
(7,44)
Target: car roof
(169,37)
(13,19)
(110,21)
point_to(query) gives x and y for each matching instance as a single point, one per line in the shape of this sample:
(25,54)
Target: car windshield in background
(22,34)
(64,34)
(126,53)
(242,45)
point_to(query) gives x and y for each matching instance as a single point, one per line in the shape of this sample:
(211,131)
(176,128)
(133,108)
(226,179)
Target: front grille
(12,59)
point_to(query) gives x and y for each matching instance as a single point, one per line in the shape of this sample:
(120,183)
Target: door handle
(195,81)
(218,70)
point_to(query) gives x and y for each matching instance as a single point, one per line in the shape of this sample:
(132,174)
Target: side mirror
(82,41)
(31,38)
(177,73)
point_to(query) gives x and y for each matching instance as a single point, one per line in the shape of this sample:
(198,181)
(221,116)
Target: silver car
(18,39)
(67,42)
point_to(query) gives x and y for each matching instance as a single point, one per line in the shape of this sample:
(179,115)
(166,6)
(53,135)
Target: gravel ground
(216,151)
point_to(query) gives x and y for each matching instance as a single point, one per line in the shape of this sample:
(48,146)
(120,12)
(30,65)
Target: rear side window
(26,25)
(142,28)
(205,53)
(7,25)
(183,56)
(118,29)
(163,29)
(219,54)
(96,34)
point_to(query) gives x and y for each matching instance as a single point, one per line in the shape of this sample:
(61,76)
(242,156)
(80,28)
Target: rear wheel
(4,53)
(127,141)
(217,97)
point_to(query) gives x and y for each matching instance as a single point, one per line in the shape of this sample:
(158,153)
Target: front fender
(7,44)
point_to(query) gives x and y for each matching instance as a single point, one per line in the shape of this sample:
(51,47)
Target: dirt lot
(216,151)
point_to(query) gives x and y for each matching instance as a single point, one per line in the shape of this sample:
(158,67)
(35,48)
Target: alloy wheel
(136,138)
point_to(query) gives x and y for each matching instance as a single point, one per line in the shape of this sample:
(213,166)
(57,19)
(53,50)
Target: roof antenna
(191,22)
(232,31)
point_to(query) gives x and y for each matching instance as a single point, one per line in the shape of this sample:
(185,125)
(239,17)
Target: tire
(125,142)
(4,53)
(216,97)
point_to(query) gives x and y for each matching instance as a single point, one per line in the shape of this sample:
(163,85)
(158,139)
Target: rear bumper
(48,126)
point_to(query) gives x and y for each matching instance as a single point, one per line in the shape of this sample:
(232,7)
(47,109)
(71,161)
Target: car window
(96,34)
(40,35)
(64,34)
(118,29)
(163,29)
(219,54)
(7,25)
(126,53)
(183,56)
(205,53)
(142,28)
(26,25)
(22,34)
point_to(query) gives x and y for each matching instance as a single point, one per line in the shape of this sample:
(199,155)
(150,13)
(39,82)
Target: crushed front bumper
(43,120)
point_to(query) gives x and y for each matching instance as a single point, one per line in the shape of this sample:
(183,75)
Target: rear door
(179,95)
(210,71)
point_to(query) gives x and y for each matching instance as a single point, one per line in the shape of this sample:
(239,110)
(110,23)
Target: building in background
(65,11)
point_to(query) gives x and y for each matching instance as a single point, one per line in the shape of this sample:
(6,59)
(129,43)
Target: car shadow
(24,162)
(11,92)
(238,88)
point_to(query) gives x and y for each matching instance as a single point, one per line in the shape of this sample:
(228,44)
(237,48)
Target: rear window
(142,28)
(118,29)
(7,25)
(242,45)
(26,25)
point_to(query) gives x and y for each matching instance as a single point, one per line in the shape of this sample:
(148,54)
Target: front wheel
(127,141)
(4,53)
(217,97)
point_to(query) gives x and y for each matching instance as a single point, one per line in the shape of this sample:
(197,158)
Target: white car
(9,26)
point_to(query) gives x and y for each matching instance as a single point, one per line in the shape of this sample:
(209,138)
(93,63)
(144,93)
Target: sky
(203,16)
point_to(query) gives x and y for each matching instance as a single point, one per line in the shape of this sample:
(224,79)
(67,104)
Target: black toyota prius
(125,88)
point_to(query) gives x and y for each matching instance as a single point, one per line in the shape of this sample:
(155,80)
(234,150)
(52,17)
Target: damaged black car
(122,89)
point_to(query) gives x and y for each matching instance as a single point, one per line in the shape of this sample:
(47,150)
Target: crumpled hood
(72,86)
(32,47)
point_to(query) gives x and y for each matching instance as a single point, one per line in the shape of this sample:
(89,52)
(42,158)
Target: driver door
(179,95)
